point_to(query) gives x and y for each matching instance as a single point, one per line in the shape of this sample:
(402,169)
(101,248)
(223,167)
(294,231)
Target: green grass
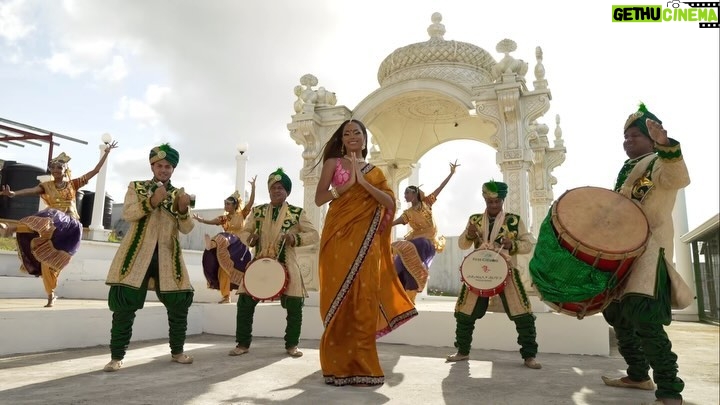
(8,244)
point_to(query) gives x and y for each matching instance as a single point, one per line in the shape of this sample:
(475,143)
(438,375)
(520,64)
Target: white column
(97,231)
(240,166)
(683,261)
(415,175)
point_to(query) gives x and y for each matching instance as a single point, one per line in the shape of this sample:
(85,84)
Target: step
(28,327)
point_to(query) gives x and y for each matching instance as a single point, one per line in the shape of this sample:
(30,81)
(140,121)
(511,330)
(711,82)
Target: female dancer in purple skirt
(47,240)
(414,255)
(224,252)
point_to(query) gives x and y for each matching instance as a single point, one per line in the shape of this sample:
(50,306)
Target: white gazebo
(436,91)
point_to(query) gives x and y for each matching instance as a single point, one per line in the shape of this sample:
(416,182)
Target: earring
(342,149)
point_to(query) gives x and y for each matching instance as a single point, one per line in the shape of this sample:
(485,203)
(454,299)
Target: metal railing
(705,244)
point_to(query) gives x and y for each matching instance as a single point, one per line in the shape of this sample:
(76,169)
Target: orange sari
(361,297)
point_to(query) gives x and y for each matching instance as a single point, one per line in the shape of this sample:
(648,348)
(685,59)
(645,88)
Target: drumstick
(497,253)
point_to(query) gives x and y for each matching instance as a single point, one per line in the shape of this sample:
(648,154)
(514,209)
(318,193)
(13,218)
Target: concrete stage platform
(415,374)
(74,323)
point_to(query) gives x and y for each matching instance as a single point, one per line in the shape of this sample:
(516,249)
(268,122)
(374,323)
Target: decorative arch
(437,91)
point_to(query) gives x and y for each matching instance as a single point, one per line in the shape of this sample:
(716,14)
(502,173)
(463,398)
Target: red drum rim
(566,228)
(276,295)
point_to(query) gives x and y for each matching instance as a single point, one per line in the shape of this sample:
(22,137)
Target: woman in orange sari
(361,298)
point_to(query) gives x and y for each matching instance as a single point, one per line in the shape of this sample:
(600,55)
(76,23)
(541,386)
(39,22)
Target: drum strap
(644,184)
(488,237)
(271,230)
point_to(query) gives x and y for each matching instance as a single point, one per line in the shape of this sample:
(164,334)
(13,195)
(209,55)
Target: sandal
(237,351)
(294,352)
(182,358)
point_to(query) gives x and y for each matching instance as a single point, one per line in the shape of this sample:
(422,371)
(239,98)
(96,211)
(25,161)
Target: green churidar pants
(643,345)
(524,324)
(244,320)
(642,341)
(125,301)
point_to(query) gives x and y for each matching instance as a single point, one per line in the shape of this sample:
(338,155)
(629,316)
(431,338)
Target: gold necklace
(355,159)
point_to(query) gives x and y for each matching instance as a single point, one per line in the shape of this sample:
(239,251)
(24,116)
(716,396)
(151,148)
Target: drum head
(601,219)
(265,279)
(485,272)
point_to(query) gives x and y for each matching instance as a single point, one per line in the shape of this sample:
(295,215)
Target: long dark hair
(333,147)
(419,193)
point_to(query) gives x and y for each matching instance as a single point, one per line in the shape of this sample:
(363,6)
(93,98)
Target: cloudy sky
(209,75)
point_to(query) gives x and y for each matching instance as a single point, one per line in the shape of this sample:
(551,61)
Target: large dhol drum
(597,227)
(485,272)
(265,279)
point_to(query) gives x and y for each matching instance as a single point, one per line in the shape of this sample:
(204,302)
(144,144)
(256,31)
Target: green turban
(279,175)
(494,189)
(638,119)
(166,152)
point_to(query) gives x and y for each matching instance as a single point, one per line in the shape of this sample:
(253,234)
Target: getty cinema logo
(705,13)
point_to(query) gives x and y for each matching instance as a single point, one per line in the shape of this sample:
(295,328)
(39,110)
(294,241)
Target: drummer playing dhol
(506,233)
(275,230)
(652,175)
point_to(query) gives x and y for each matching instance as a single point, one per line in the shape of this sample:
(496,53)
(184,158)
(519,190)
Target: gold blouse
(232,222)
(421,223)
(63,198)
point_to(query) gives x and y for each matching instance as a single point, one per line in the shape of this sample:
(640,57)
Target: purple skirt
(230,255)
(425,251)
(49,238)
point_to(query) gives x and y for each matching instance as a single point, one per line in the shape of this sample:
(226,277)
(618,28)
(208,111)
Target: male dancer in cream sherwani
(150,257)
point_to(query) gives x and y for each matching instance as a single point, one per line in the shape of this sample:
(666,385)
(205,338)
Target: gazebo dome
(460,62)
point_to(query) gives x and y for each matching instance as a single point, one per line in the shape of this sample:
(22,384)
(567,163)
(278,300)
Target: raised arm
(249,204)
(445,182)
(92,173)
(669,171)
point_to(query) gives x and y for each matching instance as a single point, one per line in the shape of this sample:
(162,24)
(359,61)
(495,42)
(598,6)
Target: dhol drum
(485,272)
(265,279)
(602,229)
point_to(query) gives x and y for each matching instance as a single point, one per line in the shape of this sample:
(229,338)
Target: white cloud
(143,111)
(12,25)
(75,57)
(114,72)
(61,62)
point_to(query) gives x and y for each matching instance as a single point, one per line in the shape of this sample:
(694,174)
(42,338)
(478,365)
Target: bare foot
(51,300)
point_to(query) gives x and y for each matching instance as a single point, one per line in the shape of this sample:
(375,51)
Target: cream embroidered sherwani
(669,174)
(151,227)
(514,229)
(293,222)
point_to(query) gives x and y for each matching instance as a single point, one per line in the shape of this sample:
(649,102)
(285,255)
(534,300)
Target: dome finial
(436,29)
